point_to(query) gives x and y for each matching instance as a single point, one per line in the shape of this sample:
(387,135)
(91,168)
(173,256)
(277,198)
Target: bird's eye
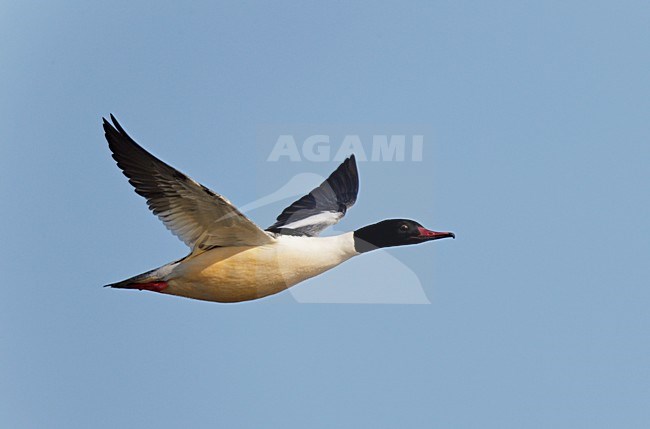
(403,227)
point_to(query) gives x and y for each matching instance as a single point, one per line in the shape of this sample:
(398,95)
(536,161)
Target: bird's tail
(155,280)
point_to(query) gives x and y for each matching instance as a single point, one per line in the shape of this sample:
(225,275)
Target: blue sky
(536,154)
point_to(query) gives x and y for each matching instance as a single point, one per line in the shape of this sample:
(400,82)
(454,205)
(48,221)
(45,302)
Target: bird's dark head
(394,232)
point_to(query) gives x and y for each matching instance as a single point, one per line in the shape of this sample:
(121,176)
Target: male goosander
(231,258)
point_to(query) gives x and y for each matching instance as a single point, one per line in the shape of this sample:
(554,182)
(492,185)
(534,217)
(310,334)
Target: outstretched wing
(323,206)
(199,217)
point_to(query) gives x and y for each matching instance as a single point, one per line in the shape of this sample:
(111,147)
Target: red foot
(153,286)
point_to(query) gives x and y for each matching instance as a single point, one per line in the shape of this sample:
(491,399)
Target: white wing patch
(322,220)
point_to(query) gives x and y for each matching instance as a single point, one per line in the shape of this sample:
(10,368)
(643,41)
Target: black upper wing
(323,206)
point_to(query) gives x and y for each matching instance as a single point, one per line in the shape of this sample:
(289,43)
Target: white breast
(231,274)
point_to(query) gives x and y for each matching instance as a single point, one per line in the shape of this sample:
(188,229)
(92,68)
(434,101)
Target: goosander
(232,259)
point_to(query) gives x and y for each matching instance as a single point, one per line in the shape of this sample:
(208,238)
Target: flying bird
(232,259)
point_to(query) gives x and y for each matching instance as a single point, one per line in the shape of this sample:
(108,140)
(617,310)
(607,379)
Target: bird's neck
(367,239)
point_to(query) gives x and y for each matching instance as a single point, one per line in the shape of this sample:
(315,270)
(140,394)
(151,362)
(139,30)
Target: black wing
(322,207)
